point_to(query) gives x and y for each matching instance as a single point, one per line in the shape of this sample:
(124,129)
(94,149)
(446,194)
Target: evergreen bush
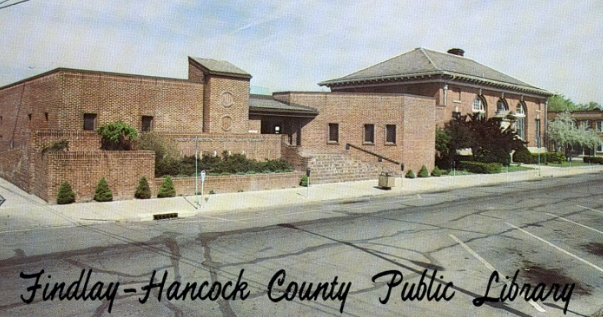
(304,181)
(103,192)
(143,191)
(523,155)
(482,168)
(410,174)
(66,194)
(167,188)
(423,172)
(436,172)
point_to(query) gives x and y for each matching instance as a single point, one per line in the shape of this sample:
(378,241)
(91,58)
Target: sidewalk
(22,212)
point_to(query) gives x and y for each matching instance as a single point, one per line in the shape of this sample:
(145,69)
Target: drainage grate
(165,216)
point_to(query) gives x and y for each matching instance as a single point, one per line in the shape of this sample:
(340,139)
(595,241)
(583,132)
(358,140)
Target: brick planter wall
(233,183)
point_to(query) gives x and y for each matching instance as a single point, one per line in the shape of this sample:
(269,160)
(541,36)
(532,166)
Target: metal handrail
(348,146)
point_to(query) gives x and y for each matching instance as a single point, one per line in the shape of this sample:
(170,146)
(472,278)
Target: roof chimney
(456,51)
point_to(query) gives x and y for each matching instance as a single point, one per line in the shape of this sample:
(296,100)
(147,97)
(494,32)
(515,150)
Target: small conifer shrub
(167,188)
(103,192)
(436,172)
(143,191)
(410,174)
(423,172)
(66,194)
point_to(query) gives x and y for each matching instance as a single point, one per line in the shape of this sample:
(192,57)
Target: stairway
(333,168)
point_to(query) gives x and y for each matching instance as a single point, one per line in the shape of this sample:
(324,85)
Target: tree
(143,191)
(103,192)
(66,194)
(566,135)
(488,140)
(116,136)
(560,103)
(167,189)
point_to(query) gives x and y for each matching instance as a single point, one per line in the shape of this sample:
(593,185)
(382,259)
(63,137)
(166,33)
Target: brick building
(373,120)
(591,119)
(458,85)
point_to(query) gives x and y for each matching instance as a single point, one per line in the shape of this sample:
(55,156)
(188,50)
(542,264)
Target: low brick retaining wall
(233,183)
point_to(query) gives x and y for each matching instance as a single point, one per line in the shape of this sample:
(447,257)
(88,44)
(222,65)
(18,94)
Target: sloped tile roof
(427,63)
(264,104)
(219,67)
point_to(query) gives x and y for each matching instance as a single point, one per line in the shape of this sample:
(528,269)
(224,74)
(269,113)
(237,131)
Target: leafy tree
(66,194)
(566,135)
(103,192)
(116,136)
(167,189)
(560,103)
(143,191)
(488,140)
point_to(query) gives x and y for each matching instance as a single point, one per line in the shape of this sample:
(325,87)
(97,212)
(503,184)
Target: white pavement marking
(577,224)
(599,211)
(558,248)
(490,267)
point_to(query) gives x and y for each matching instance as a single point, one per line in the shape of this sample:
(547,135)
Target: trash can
(387,181)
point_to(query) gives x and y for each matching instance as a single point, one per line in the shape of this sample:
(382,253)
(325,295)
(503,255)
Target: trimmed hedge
(143,191)
(436,172)
(593,159)
(103,192)
(167,188)
(545,158)
(482,168)
(410,174)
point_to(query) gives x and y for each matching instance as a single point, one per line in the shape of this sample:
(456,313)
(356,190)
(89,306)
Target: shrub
(410,174)
(523,155)
(482,168)
(103,192)
(593,159)
(436,172)
(423,172)
(167,188)
(66,194)
(57,146)
(116,136)
(143,191)
(304,181)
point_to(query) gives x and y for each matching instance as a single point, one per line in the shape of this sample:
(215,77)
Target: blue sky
(293,45)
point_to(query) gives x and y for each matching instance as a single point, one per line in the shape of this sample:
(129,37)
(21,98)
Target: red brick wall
(233,183)
(83,170)
(227,105)
(255,146)
(413,116)
(175,105)
(14,167)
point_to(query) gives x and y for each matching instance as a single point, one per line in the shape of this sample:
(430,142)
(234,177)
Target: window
(333,132)
(501,106)
(369,133)
(147,123)
(520,115)
(46,116)
(390,134)
(599,125)
(89,121)
(29,116)
(478,107)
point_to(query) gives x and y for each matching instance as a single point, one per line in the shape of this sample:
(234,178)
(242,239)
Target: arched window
(479,107)
(501,106)
(520,122)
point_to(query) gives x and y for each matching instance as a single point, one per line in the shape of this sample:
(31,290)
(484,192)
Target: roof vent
(456,51)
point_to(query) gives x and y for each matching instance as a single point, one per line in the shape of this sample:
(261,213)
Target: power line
(10,4)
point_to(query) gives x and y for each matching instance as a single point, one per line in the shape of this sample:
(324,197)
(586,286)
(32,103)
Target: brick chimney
(456,51)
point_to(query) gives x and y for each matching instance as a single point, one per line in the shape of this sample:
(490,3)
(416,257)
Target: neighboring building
(458,84)
(592,119)
(378,119)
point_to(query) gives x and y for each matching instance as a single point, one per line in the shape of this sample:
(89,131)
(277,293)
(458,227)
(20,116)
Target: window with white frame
(600,126)
(520,126)
(501,106)
(479,107)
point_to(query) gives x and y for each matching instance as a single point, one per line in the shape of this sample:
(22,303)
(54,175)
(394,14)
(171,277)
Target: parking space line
(573,222)
(490,267)
(591,209)
(556,247)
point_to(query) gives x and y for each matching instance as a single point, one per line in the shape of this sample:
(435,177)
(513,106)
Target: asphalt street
(430,254)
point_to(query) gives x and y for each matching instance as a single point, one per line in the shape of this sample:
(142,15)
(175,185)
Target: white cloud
(293,45)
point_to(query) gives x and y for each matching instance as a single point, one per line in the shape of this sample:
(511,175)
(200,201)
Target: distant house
(592,119)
